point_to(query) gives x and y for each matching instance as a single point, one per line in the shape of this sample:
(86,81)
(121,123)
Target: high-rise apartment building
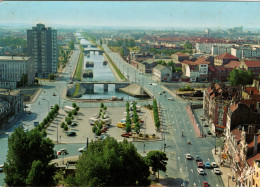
(42,46)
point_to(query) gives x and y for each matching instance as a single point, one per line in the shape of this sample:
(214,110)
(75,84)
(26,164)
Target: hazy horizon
(154,14)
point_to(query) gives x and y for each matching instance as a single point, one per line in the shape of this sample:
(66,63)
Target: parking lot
(84,129)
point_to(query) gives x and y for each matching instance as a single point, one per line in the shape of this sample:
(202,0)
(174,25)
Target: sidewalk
(225,170)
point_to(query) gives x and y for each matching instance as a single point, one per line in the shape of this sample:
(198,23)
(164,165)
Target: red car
(127,135)
(200,164)
(205,184)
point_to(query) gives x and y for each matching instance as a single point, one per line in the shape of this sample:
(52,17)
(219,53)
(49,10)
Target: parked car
(29,112)
(205,184)
(63,152)
(209,133)
(104,136)
(74,124)
(214,164)
(163,91)
(188,156)
(51,107)
(1,168)
(200,171)
(217,171)
(197,158)
(170,99)
(71,133)
(206,125)
(150,83)
(200,165)
(207,165)
(202,118)
(54,94)
(126,135)
(82,149)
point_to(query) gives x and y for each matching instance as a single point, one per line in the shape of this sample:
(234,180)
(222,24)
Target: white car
(188,156)
(1,168)
(82,149)
(217,171)
(171,99)
(214,164)
(200,171)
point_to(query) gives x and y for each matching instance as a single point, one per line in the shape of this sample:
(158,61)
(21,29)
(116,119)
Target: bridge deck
(105,82)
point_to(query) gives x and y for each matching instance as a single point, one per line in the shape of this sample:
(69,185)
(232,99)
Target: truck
(68,108)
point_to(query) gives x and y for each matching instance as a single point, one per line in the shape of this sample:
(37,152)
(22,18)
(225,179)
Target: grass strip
(115,68)
(79,67)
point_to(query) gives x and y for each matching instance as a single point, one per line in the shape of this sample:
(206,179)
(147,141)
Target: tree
(187,45)
(157,160)
(40,174)
(94,128)
(77,108)
(62,125)
(100,41)
(101,105)
(111,163)
(240,77)
(23,149)
(74,105)
(66,128)
(137,127)
(51,76)
(23,81)
(71,44)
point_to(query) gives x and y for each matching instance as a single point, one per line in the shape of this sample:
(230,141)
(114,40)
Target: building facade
(12,68)
(207,48)
(162,73)
(245,52)
(42,46)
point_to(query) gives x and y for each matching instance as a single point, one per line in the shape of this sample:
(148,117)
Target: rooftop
(233,64)
(227,56)
(252,64)
(14,58)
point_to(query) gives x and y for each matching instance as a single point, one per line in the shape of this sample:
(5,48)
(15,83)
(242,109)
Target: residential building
(256,173)
(162,73)
(217,50)
(12,68)
(245,52)
(224,58)
(146,66)
(42,46)
(207,48)
(233,64)
(218,73)
(253,66)
(216,100)
(11,103)
(179,57)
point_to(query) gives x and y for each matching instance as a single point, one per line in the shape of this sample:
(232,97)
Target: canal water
(102,73)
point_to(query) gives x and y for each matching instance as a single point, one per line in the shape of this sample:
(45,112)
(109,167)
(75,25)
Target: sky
(132,13)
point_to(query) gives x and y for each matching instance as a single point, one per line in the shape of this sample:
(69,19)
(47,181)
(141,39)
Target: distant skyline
(132,13)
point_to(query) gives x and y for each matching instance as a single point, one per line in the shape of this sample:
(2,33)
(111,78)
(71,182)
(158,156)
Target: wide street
(180,171)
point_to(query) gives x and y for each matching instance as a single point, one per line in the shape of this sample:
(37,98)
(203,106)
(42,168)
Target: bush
(105,107)
(66,128)
(69,122)
(62,125)
(74,105)
(70,114)
(98,132)
(101,105)
(77,108)
(94,128)
(74,112)
(186,88)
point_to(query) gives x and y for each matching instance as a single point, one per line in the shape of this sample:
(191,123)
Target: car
(163,92)
(214,164)
(207,165)
(160,93)
(150,83)
(63,151)
(82,149)
(202,118)
(71,133)
(170,99)
(188,156)
(200,165)
(205,184)
(104,136)
(1,168)
(217,171)
(200,171)
(70,82)
(29,112)
(54,94)
(206,125)
(197,158)
(189,81)
(74,124)
(209,133)
(126,135)
(51,107)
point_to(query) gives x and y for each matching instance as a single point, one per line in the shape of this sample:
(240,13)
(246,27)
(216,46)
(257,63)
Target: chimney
(255,143)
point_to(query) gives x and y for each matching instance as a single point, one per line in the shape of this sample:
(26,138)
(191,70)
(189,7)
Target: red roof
(233,64)
(252,64)
(251,160)
(181,54)
(227,56)
(237,133)
(249,89)
(188,62)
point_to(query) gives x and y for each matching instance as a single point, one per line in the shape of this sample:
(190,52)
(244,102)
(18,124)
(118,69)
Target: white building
(207,48)
(12,68)
(245,52)
(162,73)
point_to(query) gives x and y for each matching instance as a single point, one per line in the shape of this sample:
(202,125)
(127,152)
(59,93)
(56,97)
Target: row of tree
(12,42)
(122,42)
(29,155)
(156,115)
(112,163)
(97,127)
(136,119)
(128,122)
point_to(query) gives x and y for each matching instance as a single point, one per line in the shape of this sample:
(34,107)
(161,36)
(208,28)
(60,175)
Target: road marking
(180,170)
(191,170)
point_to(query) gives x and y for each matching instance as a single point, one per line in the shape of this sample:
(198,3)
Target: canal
(101,72)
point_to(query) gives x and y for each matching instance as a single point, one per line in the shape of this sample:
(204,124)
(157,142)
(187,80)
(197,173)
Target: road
(180,171)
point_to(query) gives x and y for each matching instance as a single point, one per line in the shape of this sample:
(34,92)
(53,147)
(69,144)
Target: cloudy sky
(133,13)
